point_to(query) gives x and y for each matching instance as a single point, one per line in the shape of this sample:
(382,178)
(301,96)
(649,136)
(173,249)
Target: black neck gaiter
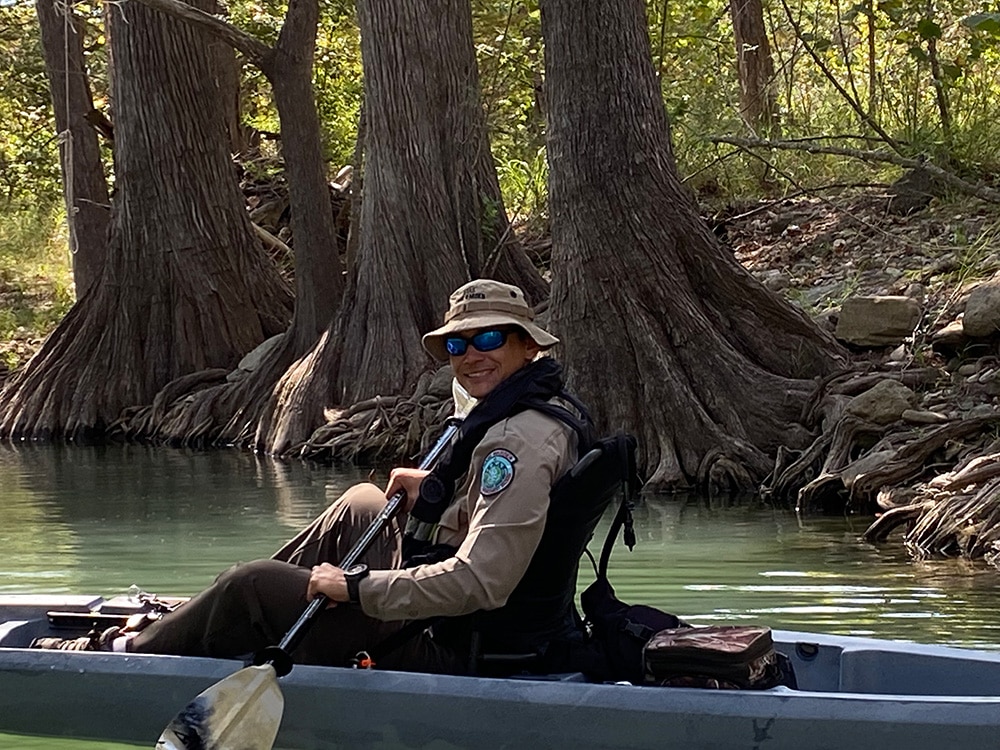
(537,382)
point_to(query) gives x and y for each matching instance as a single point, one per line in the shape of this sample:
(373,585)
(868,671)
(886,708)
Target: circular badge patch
(498,472)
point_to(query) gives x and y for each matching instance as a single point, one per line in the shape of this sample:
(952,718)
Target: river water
(97,520)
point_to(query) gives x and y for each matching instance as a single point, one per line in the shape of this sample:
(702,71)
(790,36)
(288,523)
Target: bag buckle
(362,660)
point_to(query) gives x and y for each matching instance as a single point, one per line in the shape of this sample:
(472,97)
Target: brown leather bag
(734,657)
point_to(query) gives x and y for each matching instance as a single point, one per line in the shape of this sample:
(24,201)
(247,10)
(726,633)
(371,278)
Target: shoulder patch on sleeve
(498,472)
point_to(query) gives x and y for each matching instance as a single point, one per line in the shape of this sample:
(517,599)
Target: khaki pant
(253,605)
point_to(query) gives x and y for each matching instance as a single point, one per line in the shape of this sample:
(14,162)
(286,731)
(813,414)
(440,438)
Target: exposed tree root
(939,482)
(211,407)
(889,521)
(823,476)
(137,423)
(380,429)
(960,512)
(205,409)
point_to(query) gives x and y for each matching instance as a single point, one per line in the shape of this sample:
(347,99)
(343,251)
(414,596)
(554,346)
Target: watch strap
(353,580)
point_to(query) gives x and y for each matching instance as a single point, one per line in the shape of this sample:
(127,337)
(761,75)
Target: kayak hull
(852,692)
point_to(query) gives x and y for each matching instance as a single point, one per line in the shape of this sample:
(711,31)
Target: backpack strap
(581,425)
(625,445)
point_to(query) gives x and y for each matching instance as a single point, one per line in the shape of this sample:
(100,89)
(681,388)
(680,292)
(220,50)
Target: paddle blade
(241,712)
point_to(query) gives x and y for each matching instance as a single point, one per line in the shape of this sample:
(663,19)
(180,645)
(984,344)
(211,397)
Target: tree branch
(855,105)
(979,191)
(252,48)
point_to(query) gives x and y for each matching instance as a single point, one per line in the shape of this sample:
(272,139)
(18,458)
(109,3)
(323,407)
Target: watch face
(356,569)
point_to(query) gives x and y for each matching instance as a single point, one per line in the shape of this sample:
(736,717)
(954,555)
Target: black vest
(542,606)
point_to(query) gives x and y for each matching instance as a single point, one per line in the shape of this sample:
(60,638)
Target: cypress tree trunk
(431,210)
(664,333)
(431,215)
(185,286)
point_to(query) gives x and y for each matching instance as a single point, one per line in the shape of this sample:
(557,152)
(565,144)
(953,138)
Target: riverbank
(900,453)
(818,252)
(36,283)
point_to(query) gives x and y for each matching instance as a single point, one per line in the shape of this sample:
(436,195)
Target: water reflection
(98,519)
(102,518)
(720,562)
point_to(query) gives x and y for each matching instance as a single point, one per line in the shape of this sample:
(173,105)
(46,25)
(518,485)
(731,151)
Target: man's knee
(262,589)
(243,576)
(362,501)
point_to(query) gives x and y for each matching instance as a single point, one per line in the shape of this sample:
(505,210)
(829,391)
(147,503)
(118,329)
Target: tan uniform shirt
(496,521)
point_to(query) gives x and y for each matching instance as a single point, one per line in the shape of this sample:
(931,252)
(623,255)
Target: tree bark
(185,286)
(84,186)
(429,201)
(288,67)
(319,284)
(230,412)
(430,216)
(228,72)
(664,333)
(758,103)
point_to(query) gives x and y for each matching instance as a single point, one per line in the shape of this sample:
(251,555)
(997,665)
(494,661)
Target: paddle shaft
(294,636)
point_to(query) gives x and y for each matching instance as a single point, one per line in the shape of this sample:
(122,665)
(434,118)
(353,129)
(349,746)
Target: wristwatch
(354,575)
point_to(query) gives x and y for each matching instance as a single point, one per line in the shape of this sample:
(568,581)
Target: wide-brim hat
(485,303)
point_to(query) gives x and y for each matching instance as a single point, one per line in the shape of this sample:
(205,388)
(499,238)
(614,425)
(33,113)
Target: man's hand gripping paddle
(243,711)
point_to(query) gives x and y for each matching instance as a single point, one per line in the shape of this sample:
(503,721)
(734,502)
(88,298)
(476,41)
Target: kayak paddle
(243,711)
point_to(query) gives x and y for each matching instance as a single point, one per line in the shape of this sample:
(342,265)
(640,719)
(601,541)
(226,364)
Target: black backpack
(679,655)
(620,630)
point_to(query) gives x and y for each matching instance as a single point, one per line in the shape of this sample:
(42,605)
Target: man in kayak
(475,569)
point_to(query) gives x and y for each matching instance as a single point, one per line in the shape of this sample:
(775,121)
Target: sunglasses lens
(487,341)
(455,345)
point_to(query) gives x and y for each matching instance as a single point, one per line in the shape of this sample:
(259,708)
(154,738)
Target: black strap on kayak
(370,658)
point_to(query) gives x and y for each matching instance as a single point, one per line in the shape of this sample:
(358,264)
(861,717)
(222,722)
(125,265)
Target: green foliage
(879,51)
(934,83)
(508,38)
(36,279)
(985,22)
(339,84)
(523,183)
(29,165)
(337,78)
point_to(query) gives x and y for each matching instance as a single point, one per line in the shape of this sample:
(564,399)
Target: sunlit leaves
(988,22)
(508,39)
(692,48)
(29,167)
(928,28)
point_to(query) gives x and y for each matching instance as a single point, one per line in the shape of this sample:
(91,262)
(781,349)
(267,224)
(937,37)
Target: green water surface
(98,520)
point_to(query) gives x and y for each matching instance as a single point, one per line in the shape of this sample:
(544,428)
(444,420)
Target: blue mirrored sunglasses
(484,341)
